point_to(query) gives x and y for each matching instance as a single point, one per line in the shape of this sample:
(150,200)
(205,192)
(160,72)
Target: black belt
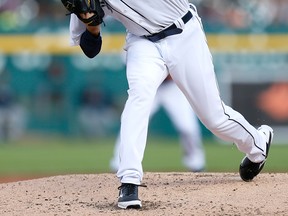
(171,30)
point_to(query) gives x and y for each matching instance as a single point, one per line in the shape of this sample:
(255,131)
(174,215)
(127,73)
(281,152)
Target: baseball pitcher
(164,37)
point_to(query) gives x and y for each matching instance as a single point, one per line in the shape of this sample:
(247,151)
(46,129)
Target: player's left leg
(196,78)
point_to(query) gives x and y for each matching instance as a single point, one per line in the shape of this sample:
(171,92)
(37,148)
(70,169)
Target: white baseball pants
(184,120)
(187,58)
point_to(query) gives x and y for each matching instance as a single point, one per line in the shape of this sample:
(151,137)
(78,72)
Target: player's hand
(87,15)
(88,11)
(95,30)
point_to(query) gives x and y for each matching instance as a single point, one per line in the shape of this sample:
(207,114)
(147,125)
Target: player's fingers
(86,15)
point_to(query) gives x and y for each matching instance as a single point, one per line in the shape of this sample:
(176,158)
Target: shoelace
(129,189)
(129,186)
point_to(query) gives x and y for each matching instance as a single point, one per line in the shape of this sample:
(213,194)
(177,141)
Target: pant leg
(145,72)
(190,64)
(115,160)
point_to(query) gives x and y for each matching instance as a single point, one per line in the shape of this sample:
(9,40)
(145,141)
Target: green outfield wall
(47,76)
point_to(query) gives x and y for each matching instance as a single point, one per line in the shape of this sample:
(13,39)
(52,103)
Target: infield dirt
(165,194)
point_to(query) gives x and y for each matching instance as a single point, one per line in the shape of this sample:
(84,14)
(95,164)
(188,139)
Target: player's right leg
(128,196)
(145,72)
(115,160)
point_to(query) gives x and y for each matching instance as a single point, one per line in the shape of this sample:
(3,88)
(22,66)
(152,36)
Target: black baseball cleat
(248,169)
(128,196)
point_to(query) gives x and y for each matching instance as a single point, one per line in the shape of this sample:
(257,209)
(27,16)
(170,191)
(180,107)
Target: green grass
(51,156)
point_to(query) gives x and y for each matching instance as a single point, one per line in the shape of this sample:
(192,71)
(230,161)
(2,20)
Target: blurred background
(60,111)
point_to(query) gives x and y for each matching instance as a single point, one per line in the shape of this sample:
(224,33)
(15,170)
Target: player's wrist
(94,30)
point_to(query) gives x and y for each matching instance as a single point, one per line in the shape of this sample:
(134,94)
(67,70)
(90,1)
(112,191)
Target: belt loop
(176,28)
(180,23)
(193,7)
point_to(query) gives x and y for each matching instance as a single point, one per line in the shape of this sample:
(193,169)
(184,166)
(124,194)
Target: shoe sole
(249,174)
(134,204)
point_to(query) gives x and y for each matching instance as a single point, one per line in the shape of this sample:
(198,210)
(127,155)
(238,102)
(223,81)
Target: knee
(214,125)
(142,95)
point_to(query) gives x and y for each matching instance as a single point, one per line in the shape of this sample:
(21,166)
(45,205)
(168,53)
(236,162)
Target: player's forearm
(91,41)
(95,30)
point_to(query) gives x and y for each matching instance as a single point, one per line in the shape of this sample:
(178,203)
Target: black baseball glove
(84,6)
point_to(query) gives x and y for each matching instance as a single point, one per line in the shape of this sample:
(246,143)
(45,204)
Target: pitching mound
(166,194)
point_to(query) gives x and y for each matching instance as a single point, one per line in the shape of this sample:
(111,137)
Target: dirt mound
(166,194)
